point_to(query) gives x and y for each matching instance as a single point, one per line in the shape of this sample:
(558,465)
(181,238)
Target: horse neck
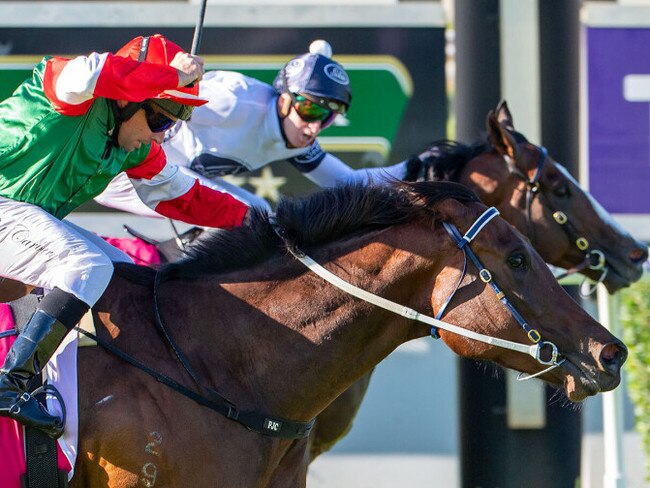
(299,342)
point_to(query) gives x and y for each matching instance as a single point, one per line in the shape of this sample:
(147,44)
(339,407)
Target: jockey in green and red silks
(64,134)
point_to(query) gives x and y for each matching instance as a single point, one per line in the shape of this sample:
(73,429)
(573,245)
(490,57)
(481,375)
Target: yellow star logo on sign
(235,180)
(267,185)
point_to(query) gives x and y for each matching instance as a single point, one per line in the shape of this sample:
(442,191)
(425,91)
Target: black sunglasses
(157,121)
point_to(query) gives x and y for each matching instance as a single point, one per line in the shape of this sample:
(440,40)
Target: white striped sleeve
(77,81)
(168,184)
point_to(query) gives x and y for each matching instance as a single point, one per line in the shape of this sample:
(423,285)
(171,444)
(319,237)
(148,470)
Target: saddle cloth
(61,372)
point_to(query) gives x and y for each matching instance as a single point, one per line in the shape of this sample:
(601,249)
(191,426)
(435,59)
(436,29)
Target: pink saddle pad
(12,457)
(141,252)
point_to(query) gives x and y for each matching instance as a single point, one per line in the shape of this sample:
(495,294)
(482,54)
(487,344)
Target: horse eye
(561,191)
(517,261)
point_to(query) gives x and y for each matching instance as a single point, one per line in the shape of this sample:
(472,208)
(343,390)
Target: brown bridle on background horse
(594,244)
(594,258)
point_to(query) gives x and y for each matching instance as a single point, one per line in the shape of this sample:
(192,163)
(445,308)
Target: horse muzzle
(584,378)
(624,269)
(611,358)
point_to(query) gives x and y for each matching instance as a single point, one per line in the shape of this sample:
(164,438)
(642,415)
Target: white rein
(533,350)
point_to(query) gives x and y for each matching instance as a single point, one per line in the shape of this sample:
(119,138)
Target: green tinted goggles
(310,111)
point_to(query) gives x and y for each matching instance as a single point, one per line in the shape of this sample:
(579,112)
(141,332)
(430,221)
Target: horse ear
(500,138)
(504,116)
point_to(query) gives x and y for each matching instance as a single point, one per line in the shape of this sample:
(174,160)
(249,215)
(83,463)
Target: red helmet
(158,49)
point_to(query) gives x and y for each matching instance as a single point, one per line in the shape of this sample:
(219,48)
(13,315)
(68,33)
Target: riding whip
(196,42)
(198,29)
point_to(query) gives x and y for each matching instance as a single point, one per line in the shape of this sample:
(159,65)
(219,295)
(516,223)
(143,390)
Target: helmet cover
(159,50)
(318,76)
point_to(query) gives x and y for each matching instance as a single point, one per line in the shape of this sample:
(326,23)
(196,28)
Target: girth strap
(41,459)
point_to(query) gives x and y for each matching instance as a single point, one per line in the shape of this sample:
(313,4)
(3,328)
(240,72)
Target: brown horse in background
(529,188)
(273,337)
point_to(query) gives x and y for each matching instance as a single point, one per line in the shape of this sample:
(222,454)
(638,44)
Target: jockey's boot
(28,355)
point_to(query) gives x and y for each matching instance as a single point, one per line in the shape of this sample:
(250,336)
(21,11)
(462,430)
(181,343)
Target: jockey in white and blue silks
(248,124)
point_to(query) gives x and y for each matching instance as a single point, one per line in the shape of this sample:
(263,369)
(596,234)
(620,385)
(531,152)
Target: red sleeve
(51,75)
(151,165)
(204,206)
(198,205)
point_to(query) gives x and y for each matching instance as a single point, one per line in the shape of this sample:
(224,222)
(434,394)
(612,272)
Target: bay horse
(282,339)
(537,195)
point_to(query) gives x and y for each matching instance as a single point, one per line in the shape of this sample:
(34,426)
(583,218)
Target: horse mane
(444,160)
(311,220)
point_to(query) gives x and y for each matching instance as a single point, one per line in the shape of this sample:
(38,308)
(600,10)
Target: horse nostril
(639,254)
(612,356)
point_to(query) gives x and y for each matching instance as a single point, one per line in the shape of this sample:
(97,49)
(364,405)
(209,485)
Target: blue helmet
(319,77)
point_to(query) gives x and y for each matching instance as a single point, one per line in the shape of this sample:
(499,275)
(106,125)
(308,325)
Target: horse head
(506,291)
(484,277)
(537,195)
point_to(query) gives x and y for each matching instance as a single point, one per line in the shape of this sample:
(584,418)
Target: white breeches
(38,249)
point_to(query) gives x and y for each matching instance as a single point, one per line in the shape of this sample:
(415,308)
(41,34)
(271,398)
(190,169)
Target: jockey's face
(298,132)
(135,131)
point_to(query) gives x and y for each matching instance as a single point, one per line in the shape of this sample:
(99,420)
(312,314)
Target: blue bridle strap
(461,242)
(484,274)
(476,227)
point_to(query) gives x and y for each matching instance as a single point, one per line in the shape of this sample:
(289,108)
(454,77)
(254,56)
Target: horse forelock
(315,219)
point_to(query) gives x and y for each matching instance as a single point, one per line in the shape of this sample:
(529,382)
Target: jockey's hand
(189,68)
